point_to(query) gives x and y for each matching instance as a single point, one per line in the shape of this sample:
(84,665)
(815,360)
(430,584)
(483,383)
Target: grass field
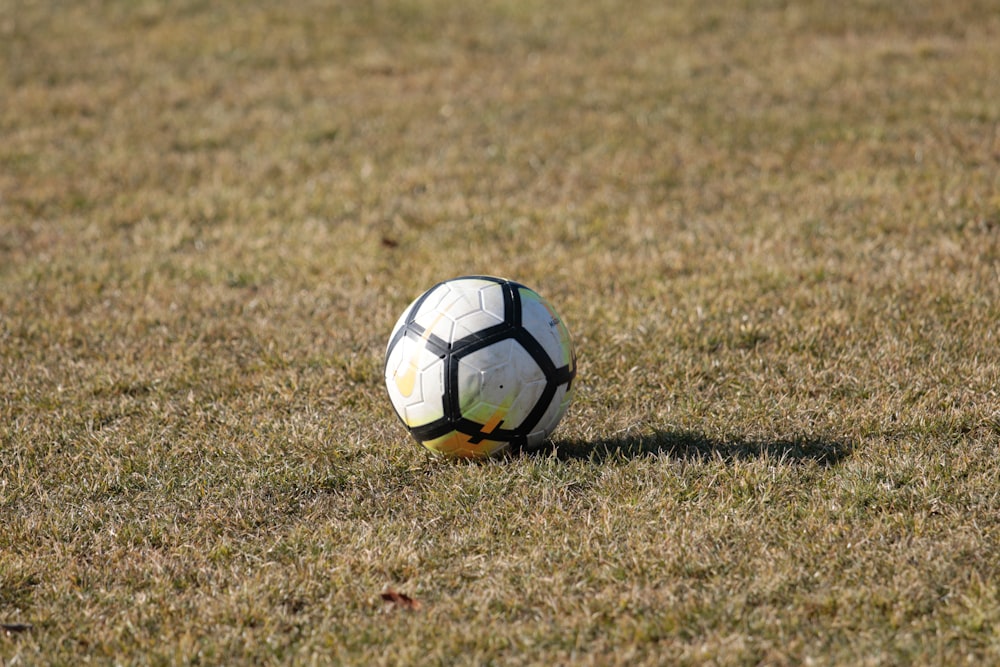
(773,228)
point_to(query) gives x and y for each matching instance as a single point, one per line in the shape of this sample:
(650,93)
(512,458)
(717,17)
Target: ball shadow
(692,445)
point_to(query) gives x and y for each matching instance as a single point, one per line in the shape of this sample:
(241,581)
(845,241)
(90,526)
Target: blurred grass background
(772,228)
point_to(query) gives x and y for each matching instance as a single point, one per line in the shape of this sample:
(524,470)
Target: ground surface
(772,227)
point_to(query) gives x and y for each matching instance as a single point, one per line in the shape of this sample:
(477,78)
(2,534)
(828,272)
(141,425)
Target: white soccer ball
(477,365)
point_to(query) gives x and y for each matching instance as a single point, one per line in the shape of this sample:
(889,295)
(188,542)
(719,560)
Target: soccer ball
(477,365)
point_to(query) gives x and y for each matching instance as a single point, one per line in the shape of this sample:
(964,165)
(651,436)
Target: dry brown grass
(774,230)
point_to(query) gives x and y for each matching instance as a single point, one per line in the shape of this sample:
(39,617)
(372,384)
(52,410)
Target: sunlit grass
(774,232)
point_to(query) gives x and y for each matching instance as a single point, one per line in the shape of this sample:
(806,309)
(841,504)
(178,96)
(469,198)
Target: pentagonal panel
(461,307)
(491,300)
(488,312)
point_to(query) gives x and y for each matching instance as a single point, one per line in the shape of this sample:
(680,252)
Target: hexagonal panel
(414,377)
(540,319)
(499,385)
(435,314)
(551,418)
(460,444)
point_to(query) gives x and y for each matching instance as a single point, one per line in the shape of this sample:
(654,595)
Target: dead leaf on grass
(15,628)
(400,599)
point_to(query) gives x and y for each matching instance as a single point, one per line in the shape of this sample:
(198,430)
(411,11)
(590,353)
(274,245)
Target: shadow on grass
(695,446)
